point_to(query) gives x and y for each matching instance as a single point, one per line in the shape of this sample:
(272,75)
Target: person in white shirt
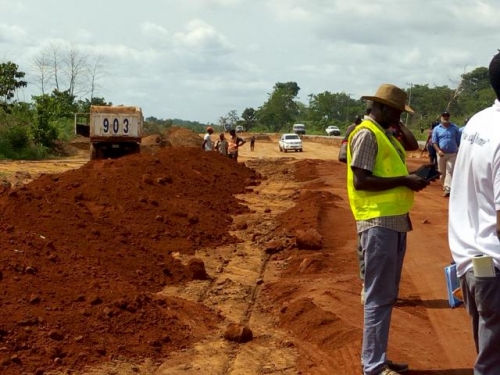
(208,144)
(474,226)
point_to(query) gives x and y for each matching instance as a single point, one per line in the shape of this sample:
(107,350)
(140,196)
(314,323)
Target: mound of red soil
(85,251)
(182,137)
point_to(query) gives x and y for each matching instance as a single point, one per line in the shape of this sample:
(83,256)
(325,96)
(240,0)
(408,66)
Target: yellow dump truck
(114,131)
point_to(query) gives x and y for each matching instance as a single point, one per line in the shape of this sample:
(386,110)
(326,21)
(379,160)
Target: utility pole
(409,101)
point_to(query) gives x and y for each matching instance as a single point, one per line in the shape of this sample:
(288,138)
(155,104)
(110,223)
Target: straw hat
(392,96)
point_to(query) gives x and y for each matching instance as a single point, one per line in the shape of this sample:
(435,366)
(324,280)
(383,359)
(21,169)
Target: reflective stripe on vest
(388,163)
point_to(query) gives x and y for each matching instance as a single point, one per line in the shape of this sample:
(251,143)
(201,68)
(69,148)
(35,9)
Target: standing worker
(381,193)
(445,140)
(208,144)
(235,142)
(222,144)
(474,227)
(252,142)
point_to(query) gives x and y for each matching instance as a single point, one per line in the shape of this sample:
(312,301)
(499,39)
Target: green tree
(476,92)
(10,82)
(475,81)
(280,109)
(428,103)
(329,108)
(54,116)
(83,106)
(249,117)
(232,117)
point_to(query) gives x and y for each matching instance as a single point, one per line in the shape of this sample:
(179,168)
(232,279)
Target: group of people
(227,147)
(381,193)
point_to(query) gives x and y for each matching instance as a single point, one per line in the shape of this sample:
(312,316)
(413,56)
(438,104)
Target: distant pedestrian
(445,140)
(428,144)
(235,143)
(252,142)
(208,144)
(474,227)
(222,144)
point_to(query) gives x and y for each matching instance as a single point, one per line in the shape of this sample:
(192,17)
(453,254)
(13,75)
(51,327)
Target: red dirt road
(113,292)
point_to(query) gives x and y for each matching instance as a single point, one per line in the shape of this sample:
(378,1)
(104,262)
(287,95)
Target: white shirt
(475,191)
(209,145)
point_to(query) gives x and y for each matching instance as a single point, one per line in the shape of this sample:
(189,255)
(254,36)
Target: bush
(17,136)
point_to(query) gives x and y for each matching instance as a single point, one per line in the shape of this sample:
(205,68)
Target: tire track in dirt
(237,275)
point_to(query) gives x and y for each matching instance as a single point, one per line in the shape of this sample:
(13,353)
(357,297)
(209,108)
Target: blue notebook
(452,284)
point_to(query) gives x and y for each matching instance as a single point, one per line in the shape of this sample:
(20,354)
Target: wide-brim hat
(392,96)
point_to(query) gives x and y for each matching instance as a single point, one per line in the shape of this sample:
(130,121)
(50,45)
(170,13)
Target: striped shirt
(364,150)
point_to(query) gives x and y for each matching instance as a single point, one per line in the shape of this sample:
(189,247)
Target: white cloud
(198,59)
(200,37)
(8,6)
(12,34)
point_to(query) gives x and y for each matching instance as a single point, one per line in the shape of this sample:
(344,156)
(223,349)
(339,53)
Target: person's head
(357,120)
(221,136)
(445,117)
(389,102)
(494,73)
(210,130)
(232,132)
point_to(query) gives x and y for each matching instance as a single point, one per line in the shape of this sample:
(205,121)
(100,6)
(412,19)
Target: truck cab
(299,129)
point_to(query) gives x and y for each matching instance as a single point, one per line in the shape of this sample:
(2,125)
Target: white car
(332,130)
(290,141)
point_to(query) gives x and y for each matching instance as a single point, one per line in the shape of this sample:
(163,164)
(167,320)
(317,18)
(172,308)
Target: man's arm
(435,142)
(365,180)
(407,138)
(241,142)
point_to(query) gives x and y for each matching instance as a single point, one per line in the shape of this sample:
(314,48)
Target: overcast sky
(198,59)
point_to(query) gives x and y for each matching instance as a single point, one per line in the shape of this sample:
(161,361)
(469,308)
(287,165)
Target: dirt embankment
(84,252)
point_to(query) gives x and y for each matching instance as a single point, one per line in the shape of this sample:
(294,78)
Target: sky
(198,60)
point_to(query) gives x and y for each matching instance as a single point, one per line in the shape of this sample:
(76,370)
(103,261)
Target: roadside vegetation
(68,82)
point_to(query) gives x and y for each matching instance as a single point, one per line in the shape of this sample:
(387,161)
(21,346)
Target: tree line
(282,109)
(69,81)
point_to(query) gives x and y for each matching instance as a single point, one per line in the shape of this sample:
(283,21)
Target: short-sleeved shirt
(475,196)
(447,138)
(209,145)
(364,150)
(222,147)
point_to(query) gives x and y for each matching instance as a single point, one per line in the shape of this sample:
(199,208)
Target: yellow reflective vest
(389,162)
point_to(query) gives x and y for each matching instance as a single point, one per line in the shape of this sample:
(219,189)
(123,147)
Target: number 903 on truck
(114,131)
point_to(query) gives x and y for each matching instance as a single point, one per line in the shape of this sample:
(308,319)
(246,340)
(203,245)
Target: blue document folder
(452,284)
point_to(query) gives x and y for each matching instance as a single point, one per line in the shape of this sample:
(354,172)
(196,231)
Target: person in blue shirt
(446,140)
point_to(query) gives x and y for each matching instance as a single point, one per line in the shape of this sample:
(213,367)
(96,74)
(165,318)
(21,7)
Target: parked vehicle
(299,129)
(239,129)
(332,130)
(113,131)
(290,142)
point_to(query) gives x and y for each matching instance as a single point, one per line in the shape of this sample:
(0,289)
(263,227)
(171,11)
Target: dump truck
(114,131)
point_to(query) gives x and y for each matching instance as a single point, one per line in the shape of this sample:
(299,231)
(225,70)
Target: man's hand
(415,183)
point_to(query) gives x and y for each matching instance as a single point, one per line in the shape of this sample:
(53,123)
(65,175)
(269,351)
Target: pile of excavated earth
(84,253)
